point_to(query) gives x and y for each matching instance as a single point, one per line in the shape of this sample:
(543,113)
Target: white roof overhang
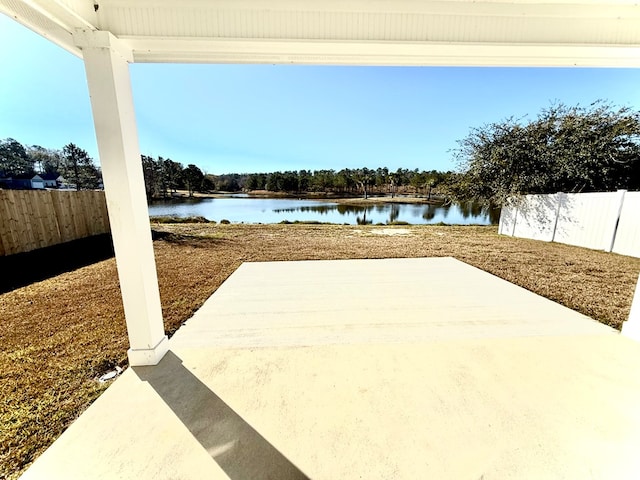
(353,32)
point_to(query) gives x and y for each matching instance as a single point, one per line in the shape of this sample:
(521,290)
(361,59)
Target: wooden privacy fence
(32,219)
(608,221)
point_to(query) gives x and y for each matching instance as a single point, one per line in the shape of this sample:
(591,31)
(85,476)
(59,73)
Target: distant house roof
(50,176)
(22,176)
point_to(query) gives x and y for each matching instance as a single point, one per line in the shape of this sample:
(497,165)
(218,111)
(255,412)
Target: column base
(151,356)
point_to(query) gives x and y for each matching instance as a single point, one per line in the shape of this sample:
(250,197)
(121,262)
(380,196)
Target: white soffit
(354,32)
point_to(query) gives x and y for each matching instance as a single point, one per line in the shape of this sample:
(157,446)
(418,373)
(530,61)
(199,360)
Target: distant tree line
(359,181)
(163,177)
(72,163)
(564,149)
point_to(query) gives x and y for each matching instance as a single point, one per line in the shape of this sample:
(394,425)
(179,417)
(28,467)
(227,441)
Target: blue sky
(246,118)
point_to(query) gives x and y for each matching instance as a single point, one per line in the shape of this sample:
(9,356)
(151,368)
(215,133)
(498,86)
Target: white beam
(112,104)
(631,328)
(198,50)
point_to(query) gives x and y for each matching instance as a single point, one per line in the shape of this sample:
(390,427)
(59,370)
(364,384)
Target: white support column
(631,328)
(106,64)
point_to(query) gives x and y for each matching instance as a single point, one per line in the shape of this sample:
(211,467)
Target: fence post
(515,216)
(503,214)
(631,328)
(610,238)
(508,208)
(560,196)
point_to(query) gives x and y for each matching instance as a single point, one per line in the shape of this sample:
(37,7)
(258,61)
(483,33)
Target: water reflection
(394,213)
(469,211)
(390,211)
(429,213)
(362,220)
(251,210)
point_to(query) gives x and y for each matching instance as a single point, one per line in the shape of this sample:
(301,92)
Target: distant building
(52,179)
(37,182)
(21,182)
(67,186)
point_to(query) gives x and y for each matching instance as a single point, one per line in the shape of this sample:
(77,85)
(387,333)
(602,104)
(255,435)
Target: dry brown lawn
(58,335)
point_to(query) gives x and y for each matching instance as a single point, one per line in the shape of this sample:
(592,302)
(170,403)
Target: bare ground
(57,336)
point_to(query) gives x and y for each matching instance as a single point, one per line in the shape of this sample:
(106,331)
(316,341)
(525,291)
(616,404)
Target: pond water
(239,209)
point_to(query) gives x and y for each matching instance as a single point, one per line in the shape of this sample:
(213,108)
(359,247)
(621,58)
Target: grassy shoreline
(60,334)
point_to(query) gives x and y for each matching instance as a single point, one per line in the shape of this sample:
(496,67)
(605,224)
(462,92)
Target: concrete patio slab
(376,369)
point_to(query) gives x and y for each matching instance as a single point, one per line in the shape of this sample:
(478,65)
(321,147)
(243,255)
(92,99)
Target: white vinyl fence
(608,221)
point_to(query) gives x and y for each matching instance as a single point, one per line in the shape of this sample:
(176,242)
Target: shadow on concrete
(235,446)
(23,269)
